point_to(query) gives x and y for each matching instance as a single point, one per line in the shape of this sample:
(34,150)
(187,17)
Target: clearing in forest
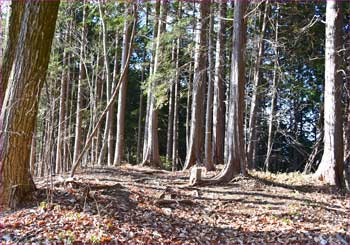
(140,205)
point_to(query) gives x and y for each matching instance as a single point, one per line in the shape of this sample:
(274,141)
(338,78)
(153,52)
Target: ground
(139,205)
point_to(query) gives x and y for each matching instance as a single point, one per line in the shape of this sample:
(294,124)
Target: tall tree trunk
(17,10)
(270,134)
(219,90)
(139,123)
(347,117)
(174,157)
(194,153)
(236,153)
(82,76)
(140,112)
(109,116)
(119,145)
(62,111)
(169,143)
(208,150)
(30,65)
(256,94)
(190,84)
(332,163)
(149,95)
(151,156)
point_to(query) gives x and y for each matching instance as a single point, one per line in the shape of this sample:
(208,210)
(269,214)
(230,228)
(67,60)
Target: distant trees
(30,61)
(331,167)
(178,83)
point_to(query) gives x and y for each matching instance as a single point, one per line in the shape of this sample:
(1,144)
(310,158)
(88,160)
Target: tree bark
(62,111)
(15,20)
(176,99)
(169,143)
(149,95)
(194,153)
(119,145)
(151,156)
(347,116)
(30,65)
(270,134)
(235,131)
(82,77)
(331,167)
(256,94)
(208,150)
(219,90)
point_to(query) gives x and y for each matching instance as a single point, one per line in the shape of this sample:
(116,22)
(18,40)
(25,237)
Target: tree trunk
(119,145)
(194,153)
(33,156)
(209,110)
(236,153)
(347,117)
(219,90)
(176,99)
(82,77)
(15,20)
(62,111)
(256,94)
(149,95)
(106,145)
(270,134)
(30,65)
(109,103)
(151,156)
(331,167)
(169,143)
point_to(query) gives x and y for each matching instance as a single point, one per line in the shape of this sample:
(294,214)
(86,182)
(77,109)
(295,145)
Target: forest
(171,122)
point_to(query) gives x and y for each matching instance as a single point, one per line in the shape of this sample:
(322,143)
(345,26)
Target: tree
(82,77)
(219,90)
(332,163)
(149,92)
(195,148)
(235,132)
(273,99)
(31,60)
(61,131)
(119,145)
(347,116)
(208,150)
(17,9)
(151,151)
(255,105)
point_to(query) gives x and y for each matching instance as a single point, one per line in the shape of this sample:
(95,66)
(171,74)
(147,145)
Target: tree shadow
(325,189)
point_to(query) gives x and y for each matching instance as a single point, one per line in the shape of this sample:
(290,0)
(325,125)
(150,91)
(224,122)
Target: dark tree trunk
(17,10)
(119,144)
(219,90)
(255,105)
(30,63)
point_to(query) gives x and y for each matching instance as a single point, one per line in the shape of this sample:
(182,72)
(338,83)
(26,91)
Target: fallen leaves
(116,207)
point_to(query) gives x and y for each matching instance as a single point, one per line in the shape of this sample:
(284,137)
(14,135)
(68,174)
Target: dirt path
(133,205)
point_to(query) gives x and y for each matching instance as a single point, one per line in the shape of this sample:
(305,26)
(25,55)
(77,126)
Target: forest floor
(140,205)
